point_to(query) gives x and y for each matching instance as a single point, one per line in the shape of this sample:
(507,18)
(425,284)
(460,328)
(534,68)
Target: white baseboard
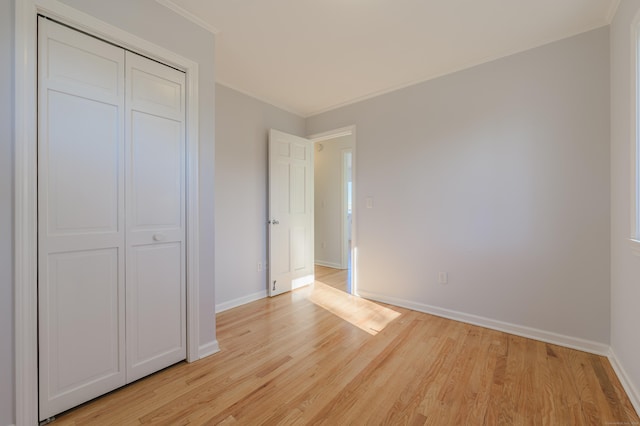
(208,349)
(519,330)
(225,306)
(328,264)
(627,384)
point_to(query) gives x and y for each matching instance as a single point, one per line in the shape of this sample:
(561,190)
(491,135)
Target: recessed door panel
(299,152)
(298,240)
(155,298)
(73,65)
(298,189)
(157,159)
(84,154)
(281,265)
(83,301)
(157,92)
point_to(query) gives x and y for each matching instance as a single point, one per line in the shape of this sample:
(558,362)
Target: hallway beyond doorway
(336,278)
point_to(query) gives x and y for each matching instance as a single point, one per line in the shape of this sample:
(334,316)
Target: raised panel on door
(301,213)
(83,172)
(82,325)
(280,237)
(156,179)
(155,176)
(290,212)
(156,315)
(81,218)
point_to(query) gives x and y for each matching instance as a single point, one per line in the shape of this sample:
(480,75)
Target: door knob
(274,222)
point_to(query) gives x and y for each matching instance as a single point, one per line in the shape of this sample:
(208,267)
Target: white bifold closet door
(111,217)
(155,216)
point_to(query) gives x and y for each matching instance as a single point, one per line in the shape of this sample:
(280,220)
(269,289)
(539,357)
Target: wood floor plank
(320,356)
(543,380)
(336,278)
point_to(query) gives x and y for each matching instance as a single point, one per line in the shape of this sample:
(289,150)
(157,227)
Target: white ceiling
(309,56)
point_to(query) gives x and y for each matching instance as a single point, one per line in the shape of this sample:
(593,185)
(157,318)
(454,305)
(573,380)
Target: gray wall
(625,267)
(157,24)
(498,175)
(242,129)
(6,214)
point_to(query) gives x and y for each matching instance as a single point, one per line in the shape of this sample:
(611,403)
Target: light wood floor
(336,278)
(320,356)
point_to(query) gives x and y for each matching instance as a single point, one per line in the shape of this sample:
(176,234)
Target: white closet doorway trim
(26,249)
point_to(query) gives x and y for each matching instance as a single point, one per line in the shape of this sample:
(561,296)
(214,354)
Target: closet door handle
(159,237)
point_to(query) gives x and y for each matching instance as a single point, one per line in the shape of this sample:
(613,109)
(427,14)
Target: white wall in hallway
(328,165)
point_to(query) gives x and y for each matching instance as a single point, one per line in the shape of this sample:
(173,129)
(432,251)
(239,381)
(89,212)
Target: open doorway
(334,161)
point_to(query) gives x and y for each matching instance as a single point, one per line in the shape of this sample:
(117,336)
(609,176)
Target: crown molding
(449,71)
(262,99)
(188,15)
(611,13)
(307,113)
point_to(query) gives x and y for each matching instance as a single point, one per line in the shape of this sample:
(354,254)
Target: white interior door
(155,237)
(81,230)
(290,212)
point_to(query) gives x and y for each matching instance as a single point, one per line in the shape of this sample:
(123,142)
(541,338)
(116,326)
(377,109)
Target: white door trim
(344,225)
(25,175)
(336,133)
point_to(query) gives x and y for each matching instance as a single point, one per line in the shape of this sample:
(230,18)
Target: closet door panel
(81,65)
(154,306)
(156,88)
(156,277)
(83,174)
(157,169)
(81,225)
(85,285)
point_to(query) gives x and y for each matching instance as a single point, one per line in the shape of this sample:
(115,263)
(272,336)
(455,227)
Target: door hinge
(274,285)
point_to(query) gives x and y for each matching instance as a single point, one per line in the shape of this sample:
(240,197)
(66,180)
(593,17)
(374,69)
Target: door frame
(332,134)
(344,202)
(25,175)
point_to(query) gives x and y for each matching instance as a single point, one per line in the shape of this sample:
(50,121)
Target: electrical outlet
(443,277)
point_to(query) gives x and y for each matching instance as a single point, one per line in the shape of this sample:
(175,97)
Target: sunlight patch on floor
(364,314)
